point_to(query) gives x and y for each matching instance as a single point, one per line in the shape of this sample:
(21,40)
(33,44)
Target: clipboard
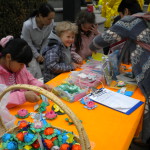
(114,100)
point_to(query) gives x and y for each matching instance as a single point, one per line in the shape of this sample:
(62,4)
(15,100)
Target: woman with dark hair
(129,7)
(15,54)
(35,32)
(87,30)
(136,51)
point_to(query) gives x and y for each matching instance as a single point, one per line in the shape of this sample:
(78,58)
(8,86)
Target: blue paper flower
(12,145)
(64,138)
(58,132)
(29,138)
(6,137)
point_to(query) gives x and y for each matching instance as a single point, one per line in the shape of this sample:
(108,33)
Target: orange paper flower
(48,131)
(64,147)
(23,124)
(48,143)
(36,144)
(76,147)
(20,136)
(53,139)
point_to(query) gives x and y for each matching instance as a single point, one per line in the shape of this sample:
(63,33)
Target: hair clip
(5,40)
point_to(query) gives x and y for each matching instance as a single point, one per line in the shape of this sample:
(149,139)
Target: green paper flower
(56,142)
(59,138)
(20,146)
(49,136)
(42,107)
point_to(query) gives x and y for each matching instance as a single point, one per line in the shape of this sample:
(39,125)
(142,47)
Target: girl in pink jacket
(15,54)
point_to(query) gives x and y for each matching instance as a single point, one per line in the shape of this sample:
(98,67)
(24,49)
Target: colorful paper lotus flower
(48,131)
(20,136)
(22,113)
(48,143)
(50,115)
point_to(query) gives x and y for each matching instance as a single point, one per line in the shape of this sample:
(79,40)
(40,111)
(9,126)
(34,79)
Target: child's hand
(46,87)
(76,65)
(94,29)
(79,60)
(31,97)
(40,58)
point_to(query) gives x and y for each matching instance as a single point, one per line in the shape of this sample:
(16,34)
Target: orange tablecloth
(107,129)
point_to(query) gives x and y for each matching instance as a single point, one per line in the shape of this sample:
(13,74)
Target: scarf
(146,18)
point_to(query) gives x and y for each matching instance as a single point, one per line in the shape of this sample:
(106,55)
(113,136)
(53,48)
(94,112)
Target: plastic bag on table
(93,65)
(86,78)
(6,117)
(114,62)
(69,91)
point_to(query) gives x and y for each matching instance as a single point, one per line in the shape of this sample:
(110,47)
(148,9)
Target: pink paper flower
(22,112)
(38,124)
(121,83)
(50,114)
(90,104)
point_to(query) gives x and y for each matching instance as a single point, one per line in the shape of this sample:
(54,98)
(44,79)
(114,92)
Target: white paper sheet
(114,100)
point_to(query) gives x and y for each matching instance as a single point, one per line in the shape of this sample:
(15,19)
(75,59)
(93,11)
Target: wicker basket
(83,138)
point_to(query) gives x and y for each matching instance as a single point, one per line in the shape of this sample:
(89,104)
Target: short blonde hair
(66,26)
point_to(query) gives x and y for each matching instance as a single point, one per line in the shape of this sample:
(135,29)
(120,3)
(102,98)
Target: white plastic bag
(7,118)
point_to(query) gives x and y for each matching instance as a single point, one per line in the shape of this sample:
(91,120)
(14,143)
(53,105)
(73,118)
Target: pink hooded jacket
(85,51)
(17,97)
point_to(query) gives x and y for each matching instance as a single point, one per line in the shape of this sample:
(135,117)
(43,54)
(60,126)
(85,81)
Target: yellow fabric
(109,10)
(97,56)
(141,2)
(100,2)
(103,125)
(148,8)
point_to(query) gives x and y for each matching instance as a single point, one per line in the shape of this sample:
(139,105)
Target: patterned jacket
(55,58)
(134,29)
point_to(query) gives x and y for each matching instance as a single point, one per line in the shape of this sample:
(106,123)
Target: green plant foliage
(13,13)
